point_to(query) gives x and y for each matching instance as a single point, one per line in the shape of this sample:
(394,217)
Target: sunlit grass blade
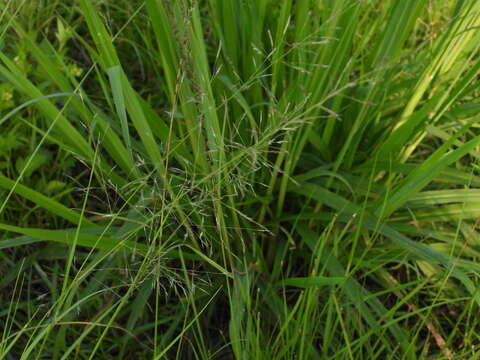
(426,172)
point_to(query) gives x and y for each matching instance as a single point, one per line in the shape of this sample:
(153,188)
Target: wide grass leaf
(68,237)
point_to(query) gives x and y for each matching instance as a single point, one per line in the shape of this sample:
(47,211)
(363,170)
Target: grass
(221,179)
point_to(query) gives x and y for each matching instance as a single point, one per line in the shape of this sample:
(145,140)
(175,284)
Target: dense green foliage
(217,179)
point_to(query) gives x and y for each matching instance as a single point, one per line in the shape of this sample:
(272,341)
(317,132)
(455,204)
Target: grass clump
(239,179)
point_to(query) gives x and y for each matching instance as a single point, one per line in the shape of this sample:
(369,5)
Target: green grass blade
(43,201)
(87,240)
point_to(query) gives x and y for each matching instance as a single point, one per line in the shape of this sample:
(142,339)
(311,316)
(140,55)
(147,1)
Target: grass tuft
(200,179)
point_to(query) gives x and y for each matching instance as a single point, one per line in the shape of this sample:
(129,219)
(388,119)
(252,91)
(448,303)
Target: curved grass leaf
(368,221)
(86,240)
(44,201)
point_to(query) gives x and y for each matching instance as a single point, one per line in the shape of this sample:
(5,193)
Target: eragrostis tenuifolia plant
(250,179)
